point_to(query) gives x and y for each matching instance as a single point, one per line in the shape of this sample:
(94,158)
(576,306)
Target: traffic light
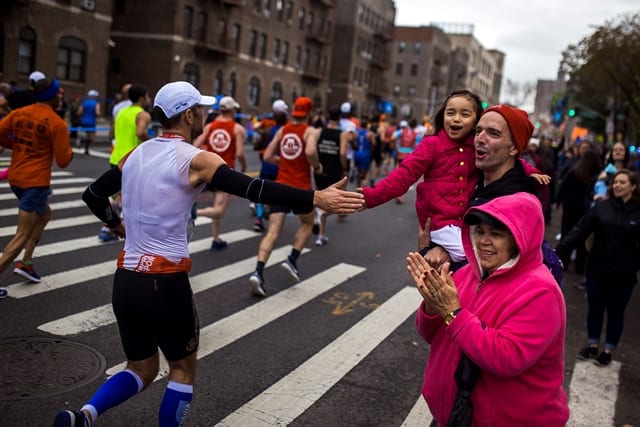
(571,112)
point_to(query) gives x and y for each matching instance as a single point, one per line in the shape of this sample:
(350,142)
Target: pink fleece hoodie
(512,325)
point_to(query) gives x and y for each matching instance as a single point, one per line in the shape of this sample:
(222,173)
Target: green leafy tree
(604,70)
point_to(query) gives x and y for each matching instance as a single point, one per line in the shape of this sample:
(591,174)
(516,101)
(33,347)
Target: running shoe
(27,271)
(258,226)
(218,245)
(256,282)
(322,240)
(106,235)
(69,418)
(4,292)
(290,267)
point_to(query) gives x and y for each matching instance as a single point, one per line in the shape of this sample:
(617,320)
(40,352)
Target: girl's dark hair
(587,167)
(471,96)
(633,179)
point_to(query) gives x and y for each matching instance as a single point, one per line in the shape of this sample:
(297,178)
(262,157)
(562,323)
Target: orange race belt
(157,264)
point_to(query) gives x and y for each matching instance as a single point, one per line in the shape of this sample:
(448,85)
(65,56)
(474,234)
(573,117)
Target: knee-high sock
(175,404)
(113,392)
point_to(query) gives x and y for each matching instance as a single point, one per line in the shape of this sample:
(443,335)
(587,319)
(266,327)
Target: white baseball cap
(176,97)
(280,105)
(404,124)
(345,108)
(228,103)
(93,92)
(35,76)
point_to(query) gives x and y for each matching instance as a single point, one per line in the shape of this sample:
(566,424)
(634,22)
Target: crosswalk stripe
(419,415)
(95,318)
(63,246)
(95,271)
(287,399)
(225,331)
(593,393)
(56,192)
(71,204)
(56,224)
(58,181)
(61,173)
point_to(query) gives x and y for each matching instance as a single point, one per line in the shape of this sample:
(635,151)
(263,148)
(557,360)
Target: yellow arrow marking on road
(344,304)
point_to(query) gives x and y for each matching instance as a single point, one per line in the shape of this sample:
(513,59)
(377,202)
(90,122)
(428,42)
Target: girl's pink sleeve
(528,168)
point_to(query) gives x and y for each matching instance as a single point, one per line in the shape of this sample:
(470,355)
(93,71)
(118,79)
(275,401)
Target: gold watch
(448,317)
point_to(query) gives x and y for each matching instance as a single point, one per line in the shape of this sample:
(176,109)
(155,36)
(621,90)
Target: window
(414,69)
(187,22)
(298,58)
(306,57)
(253,94)
(263,45)
(256,6)
(26,51)
(417,47)
(317,102)
(191,74)
(253,43)
(396,90)
(294,94)
(276,50)
(71,60)
(217,83)
(276,91)
(237,30)
(285,53)
(280,9)
(411,91)
(401,47)
(310,22)
(399,69)
(266,8)
(289,11)
(301,14)
(233,83)
(202,27)
(221,31)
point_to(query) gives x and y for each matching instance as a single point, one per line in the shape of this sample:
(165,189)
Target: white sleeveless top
(156,201)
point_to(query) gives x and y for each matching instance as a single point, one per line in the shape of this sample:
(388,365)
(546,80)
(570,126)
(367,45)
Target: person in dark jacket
(574,195)
(613,262)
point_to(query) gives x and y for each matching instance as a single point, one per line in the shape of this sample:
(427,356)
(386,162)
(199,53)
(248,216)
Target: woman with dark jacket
(612,264)
(575,197)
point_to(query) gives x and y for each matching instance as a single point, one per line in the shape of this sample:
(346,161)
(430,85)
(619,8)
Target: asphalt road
(338,349)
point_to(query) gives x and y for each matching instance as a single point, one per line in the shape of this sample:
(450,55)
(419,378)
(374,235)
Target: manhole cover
(39,367)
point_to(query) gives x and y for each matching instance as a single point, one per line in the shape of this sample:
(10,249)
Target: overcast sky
(531,33)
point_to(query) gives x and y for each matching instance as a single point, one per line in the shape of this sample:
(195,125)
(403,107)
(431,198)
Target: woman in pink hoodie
(504,312)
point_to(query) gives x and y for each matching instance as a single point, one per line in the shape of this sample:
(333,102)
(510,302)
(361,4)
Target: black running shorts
(155,311)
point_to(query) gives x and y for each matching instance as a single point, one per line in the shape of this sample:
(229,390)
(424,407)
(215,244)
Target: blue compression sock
(113,392)
(175,404)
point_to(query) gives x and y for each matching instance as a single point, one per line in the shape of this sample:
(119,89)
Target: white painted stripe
(89,320)
(419,415)
(56,192)
(593,393)
(225,331)
(63,246)
(56,224)
(61,173)
(284,401)
(58,181)
(83,274)
(71,204)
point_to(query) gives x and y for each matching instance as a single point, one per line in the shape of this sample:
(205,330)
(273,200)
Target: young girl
(446,161)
